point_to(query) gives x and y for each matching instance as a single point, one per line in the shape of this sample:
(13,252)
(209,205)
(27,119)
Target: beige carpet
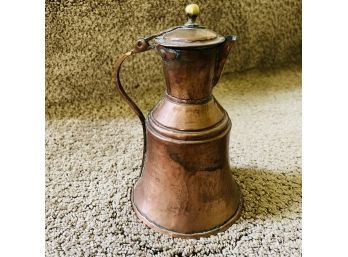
(83,39)
(93,156)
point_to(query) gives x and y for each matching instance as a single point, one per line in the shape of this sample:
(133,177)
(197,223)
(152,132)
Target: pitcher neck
(189,73)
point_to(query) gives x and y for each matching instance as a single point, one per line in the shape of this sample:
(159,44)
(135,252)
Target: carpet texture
(83,38)
(93,156)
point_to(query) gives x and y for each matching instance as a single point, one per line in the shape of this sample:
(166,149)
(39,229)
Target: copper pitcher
(186,188)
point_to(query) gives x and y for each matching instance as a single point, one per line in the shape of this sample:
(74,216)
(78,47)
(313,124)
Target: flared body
(186,188)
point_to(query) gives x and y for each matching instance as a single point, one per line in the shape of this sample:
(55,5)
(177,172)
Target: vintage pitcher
(186,187)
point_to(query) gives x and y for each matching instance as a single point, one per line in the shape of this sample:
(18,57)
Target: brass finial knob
(192,11)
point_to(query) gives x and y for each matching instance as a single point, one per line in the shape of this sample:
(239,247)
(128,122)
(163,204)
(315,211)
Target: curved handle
(141,46)
(121,90)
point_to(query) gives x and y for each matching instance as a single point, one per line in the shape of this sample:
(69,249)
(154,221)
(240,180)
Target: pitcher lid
(191,34)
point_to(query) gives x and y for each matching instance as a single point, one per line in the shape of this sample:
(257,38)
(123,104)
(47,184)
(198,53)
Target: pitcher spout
(223,52)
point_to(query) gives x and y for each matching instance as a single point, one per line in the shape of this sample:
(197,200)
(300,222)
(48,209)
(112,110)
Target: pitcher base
(206,233)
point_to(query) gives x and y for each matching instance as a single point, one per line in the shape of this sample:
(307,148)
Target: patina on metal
(186,188)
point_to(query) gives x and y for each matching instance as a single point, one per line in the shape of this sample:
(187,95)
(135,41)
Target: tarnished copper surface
(190,35)
(187,116)
(194,36)
(186,188)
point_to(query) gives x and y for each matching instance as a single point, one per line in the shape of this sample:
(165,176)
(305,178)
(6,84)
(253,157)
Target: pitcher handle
(141,46)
